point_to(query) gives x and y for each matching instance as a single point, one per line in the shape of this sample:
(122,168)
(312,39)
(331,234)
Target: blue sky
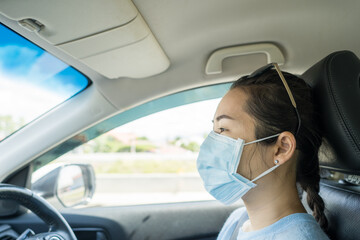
(32,81)
(24,61)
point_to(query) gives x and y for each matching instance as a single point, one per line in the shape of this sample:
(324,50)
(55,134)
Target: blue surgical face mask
(217,164)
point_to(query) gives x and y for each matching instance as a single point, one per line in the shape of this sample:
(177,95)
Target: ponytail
(309,182)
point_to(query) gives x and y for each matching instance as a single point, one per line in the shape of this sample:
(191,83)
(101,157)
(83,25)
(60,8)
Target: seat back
(336,84)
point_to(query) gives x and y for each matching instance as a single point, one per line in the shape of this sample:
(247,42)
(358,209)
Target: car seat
(336,84)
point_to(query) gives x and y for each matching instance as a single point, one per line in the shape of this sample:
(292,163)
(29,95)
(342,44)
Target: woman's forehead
(232,105)
(231,114)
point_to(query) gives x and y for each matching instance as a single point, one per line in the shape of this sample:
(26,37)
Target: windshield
(32,81)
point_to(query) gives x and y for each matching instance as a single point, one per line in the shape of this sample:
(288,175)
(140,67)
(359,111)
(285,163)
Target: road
(129,189)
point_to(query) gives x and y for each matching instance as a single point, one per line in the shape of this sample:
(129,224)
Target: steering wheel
(59,229)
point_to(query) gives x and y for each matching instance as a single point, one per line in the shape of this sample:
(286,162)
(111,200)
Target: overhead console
(110,36)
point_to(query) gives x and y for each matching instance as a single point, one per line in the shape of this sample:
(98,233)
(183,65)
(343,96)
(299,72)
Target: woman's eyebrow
(218,118)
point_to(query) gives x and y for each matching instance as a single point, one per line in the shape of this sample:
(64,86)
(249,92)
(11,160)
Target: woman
(265,142)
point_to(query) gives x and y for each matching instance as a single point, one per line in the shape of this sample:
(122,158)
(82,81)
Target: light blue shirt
(297,226)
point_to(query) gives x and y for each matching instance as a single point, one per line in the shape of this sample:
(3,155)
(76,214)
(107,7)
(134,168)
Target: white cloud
(28,83)
(45,67)
(24,100)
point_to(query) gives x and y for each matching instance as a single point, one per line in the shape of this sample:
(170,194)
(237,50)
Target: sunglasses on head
(276,67)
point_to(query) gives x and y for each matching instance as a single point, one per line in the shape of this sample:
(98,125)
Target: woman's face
(233,121)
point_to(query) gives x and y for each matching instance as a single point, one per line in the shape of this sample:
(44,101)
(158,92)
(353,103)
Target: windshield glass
(32,81)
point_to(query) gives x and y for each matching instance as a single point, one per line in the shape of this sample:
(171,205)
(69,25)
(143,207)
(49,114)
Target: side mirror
(71,184)
(75,184)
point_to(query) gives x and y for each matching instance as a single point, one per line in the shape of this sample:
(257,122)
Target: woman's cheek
(243,168)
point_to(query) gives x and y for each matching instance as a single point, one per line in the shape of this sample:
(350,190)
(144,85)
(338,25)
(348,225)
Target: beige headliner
(189,31)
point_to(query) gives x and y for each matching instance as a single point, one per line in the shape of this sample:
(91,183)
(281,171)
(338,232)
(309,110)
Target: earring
(276,161)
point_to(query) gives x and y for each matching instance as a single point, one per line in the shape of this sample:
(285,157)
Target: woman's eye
(222,130)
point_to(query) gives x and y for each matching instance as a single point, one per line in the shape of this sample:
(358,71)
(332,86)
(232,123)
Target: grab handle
(214,64)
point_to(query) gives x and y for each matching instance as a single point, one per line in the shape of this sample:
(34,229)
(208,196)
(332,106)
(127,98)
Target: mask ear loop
(270,169)
(262,139)
(266,172)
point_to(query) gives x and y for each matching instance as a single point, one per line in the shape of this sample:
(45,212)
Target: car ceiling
(188,32)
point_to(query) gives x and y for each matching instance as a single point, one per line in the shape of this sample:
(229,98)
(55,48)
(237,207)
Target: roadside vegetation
(146,156)
(108,143)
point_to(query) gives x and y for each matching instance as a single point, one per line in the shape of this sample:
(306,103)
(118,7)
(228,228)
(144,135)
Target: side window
(149,160)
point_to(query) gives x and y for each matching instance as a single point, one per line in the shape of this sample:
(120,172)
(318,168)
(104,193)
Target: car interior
(144,56)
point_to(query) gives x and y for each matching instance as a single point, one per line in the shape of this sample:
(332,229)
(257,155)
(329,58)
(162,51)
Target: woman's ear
(284,148)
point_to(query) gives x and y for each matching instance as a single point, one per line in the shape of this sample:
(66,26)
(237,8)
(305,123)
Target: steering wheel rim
(40,207)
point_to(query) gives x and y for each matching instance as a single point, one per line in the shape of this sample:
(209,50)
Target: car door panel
(193,220)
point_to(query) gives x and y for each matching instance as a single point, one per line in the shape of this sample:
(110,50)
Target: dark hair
(271,107)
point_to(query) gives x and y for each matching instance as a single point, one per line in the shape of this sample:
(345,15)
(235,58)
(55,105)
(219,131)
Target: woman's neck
(267,206)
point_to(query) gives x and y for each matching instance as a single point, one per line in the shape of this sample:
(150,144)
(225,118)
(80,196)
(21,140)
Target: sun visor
(127,51)
(111,37)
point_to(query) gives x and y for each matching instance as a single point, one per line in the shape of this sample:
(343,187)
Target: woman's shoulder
(305,225)
(299,226)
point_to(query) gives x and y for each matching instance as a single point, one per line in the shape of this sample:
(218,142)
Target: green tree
(107,144)
(175,140)
(192,146)
(142,138)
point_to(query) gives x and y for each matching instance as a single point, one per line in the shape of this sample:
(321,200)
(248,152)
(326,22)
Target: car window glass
(32,81)
(149,160)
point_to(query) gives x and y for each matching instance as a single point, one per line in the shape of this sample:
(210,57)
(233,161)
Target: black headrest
(336,84)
